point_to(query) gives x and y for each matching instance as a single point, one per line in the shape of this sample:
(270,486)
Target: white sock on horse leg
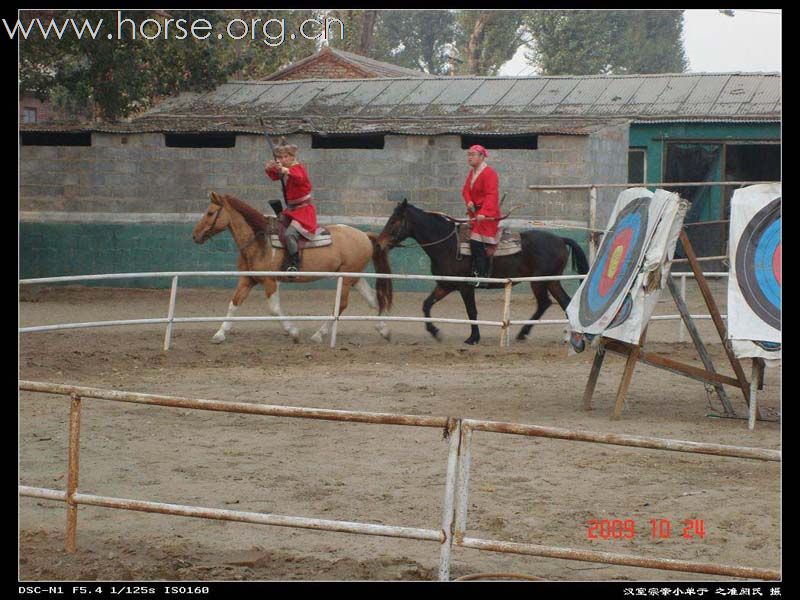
(226,325)
(369,295)
(321,333)
(275,309)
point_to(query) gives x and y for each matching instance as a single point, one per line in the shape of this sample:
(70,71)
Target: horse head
(397,228)
(212,222)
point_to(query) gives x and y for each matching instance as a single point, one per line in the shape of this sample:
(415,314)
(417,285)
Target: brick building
(331,63)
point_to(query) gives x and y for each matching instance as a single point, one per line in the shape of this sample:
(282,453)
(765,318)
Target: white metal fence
(456,489)
(505,323)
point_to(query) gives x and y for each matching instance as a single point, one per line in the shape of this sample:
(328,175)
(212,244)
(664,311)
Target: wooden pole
(715,316)
(698,344)
(72,471)
(594,375)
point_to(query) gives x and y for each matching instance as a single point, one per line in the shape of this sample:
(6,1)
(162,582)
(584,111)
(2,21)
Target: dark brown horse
(542,254)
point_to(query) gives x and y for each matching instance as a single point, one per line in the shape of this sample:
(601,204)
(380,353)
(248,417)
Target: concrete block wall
(138,174)
(149,195)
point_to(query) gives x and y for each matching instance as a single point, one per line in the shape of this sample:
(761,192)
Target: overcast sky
(748,41)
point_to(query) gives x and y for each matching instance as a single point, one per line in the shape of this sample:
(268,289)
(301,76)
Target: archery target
(758,264)
(756,279)
(623,313)
(616,262)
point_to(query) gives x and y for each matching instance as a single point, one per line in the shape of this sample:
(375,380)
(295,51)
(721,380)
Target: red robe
(298,192)
(485,195)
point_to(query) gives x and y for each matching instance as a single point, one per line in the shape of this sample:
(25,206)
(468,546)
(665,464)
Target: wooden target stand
(636,353)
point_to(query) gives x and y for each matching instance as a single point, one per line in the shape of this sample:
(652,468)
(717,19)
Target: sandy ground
(522,489)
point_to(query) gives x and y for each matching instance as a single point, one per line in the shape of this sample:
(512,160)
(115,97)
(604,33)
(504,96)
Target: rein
(418,245)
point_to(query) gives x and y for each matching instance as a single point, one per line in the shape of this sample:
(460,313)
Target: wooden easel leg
(699,345)
(630,363)
(716,316)
(753,387)
(594,374)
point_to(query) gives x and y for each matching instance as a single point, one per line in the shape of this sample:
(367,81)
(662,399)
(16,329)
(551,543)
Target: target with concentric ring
(616,262)
(758,264)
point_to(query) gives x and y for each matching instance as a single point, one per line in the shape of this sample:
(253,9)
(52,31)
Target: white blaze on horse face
(275,309)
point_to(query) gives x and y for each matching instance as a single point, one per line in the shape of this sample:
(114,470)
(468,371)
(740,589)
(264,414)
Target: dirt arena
(522,489)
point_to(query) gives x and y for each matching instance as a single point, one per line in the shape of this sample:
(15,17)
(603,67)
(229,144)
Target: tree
(584,42)
(122,76)
(487,39)
(416,39)
(117,76)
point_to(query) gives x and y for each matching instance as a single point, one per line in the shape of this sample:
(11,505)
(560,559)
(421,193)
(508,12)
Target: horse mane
(439,215)
(253,217)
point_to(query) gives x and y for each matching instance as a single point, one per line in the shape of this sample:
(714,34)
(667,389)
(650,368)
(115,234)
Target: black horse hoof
(472,341)
(436,333)
(521,337)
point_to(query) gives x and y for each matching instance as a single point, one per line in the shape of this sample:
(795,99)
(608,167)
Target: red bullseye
(776,263)
(615,262)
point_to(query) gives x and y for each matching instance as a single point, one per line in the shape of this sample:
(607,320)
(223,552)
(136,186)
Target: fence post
(592,223)
(336,305)
(462,492)
(681,325)
(504,332)
(448,517)
(72,471)
(171,312)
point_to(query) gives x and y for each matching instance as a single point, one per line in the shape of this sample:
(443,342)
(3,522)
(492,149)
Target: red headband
(479,149)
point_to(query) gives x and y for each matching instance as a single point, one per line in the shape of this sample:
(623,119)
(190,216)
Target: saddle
(509,242)
(275,232)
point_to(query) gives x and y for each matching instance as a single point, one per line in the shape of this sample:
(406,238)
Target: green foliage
(122,76)
(486,39)
(416,39)
(589,42)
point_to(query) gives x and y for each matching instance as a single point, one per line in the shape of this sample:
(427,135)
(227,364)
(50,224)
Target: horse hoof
(471,341)
(521,337)
(316,338)
(218,338)
(386,334)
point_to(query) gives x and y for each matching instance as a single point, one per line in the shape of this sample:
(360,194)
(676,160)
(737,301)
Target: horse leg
(272,289)
(468,296)
(368,294)
(543,302)
(437,294)
(319,336)
(242,290)
(563,299)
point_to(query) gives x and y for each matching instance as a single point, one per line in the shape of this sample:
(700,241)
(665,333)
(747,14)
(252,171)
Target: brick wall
(326,67)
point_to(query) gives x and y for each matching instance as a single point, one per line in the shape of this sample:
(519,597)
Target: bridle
(208,232)
(397,244)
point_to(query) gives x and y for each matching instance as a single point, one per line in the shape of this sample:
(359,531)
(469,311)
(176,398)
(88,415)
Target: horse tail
(383,287)
(579,261)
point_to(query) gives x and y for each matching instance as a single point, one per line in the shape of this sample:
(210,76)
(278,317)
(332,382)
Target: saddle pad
(322,237)
(509,244)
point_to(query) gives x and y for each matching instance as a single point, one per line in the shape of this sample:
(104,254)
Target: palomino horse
(350,252)
(542,254)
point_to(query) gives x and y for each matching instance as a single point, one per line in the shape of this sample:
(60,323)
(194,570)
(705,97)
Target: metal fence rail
(504,324)
(454,503)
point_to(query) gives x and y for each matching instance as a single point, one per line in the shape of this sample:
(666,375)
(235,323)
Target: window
(199,140)
(51,138)
(637,165)
(501,142)
(29,115)
(343,140)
